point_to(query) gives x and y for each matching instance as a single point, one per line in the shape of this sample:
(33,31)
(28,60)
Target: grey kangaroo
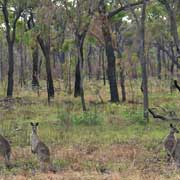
(41,150)
(176,154)
(5,150)
(170,142)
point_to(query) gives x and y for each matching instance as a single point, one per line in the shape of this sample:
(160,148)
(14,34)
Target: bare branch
(123,8)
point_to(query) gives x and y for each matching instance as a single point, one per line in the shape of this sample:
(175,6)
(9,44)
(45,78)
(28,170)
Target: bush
(87,118)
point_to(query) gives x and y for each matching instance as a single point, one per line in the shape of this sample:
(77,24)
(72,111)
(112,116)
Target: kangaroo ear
(32,124)
(171,125)
(37,124)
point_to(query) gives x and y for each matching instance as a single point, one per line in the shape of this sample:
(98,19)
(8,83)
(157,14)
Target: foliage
(87,118)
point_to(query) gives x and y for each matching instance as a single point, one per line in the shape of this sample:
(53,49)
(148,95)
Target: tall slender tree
(10,24)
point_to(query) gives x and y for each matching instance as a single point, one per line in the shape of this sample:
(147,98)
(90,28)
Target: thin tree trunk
(77,80)
(103,67)
(40,65)
(10,70)
(50,85)
(122,80)
(158,62)
(173,59)
(35,73)
(1,62)
(22,78)
(89,61)
(45,46)
(165,62)
(144,63)
(80,42)
(69,74)
(99,64)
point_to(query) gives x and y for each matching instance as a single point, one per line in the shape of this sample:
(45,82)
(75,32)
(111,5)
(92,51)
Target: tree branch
(6,20)
(15,22)
(170,115)
(123,8)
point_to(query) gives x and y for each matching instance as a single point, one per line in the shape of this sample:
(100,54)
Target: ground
(109,142)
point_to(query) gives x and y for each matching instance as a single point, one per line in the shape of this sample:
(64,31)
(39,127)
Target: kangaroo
(176,154)
(170,142)
(41,150)
(5,150)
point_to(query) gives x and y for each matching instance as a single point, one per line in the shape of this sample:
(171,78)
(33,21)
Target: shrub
(87,118)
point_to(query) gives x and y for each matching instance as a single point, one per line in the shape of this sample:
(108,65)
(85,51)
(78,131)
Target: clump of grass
(65,118)
(87,118)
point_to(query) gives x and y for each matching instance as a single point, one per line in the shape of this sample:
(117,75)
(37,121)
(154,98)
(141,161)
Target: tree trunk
(144,63)
(39,66)
(165,62)
(103,68)
(173,59)
(22,78)
(79,44)
(45,46)
(77,80)
(10,70)
(99,64)
(35,75)
(158,62)
(1,62)
(50,85)
(122,80)
(69,74)
(89,61)
(111,68)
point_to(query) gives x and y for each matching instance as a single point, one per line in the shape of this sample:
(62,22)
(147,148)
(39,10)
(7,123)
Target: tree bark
(45,46)
(103,68)
(22,77)
(77,80)
(50,85)
(79,44)
(99,64)
(1,61)
(144,63)
(89,61)
(69,74)
(11,69)
(35,73)
(158,62)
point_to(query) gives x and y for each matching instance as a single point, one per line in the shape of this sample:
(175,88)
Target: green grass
(64,125)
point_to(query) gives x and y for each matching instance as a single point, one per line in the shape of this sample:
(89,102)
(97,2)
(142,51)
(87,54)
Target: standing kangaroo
(41,150)
(170,142)
(176,154)
(5,150)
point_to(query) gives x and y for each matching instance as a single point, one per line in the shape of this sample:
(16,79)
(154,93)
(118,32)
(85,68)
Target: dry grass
(123,147)
(112,162)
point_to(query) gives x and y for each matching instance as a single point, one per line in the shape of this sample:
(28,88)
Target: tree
(10,24)
(141,51)
(43,26)
(77,11)
(111,71)
(143,61)
(173,26)
(35,73)
(111,68)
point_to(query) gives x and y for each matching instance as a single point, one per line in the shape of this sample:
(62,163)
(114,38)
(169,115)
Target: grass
(110,141)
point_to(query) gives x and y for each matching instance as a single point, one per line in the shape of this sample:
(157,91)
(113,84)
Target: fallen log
(170,116)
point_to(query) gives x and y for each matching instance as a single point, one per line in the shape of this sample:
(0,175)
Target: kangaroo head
(173,129)
(34,127)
